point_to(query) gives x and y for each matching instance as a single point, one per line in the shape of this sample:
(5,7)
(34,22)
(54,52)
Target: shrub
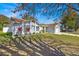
(5,38)
(6,34)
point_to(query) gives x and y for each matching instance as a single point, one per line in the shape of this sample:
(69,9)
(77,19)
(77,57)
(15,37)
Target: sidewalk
(63,33)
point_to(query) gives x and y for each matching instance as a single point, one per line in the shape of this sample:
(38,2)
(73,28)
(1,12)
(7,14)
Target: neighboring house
(52,28)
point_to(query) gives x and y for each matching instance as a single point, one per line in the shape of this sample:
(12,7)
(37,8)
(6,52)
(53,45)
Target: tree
(69,19)
(33,9)
(51,10)
(3,21)
(45,9)
(29,18)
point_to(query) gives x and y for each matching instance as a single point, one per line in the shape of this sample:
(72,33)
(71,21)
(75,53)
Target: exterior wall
(50,29)
(57,29)
(6,29)
(40,28)
(26,25)
(53,29)
(15,29)
(33,27)
(23,29)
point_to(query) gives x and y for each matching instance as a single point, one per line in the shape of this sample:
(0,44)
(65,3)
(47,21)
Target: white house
(22,26)
(52,28)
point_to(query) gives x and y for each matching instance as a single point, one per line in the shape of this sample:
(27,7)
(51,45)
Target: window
(19,28)
(37,28)
(33,28)
(27,29)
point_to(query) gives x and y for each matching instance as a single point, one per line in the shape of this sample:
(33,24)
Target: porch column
(35,29)
(44,29)
(57,29)
(23,29)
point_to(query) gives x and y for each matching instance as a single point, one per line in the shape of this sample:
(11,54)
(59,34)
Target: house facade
(23,27)
(52,28)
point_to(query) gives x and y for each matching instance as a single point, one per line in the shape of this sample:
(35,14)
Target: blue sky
(6,8)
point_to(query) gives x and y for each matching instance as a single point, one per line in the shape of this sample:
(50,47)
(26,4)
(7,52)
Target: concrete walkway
(63,33)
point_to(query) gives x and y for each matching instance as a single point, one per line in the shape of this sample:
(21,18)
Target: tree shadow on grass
(13,53)
(38,47)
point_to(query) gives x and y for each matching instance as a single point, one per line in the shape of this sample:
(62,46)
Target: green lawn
(1,32)
(4,37)
(70,43)
(44,36)
(64,38)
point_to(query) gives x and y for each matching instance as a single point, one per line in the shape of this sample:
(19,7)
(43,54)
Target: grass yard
(5,37)
(69,45)
(64,38)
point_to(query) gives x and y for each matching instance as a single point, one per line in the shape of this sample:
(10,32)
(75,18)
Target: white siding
(31,25)
(57,29)
(6,29)
(15,28)
(50,30)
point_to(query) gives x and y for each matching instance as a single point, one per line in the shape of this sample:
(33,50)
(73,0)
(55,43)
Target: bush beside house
(4,21)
